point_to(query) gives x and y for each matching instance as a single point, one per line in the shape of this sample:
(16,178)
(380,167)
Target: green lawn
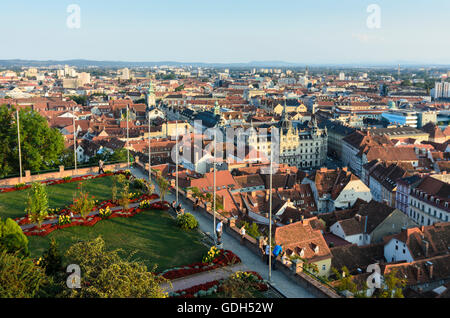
(12,204)
(154,236)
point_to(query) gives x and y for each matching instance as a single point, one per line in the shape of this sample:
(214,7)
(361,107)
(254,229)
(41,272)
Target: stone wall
(59,174)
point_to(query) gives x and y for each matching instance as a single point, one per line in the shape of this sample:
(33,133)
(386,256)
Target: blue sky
(315,31)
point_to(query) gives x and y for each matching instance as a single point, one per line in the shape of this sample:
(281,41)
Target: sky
(228,31)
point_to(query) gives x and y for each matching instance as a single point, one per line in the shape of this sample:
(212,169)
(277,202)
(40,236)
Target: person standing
(266,254)
(276,251)
(219,228)
(242,234)
(100,167)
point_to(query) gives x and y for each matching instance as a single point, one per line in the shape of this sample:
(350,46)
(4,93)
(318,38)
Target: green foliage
(19,185)
(187,221)
(83,203)
(79,99)
(163,185)
(393,285)
(19,277)
(239,285)
(106,275)
(52,259)
(67,158)
(345,280)
(37,203)
(251,230)
(211,255)
(12,238)
(41,146)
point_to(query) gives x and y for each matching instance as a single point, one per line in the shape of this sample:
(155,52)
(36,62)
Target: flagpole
(149,152)
(20,152)
(214,182)
(176,164)
(128,143)
(270,213)
(74,141)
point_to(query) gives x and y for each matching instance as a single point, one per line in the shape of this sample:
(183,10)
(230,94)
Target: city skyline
(232,32)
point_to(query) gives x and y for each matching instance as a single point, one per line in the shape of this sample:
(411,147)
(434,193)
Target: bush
(68,178)
(12,238)
(20,185)
(187,221)
(37,203)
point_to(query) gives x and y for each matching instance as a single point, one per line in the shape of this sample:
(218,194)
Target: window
(324,267)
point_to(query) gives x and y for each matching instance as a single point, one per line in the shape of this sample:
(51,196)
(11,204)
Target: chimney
(425,246)
(430,269)
(418,271)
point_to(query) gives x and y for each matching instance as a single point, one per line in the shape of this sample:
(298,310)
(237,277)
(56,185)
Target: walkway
(250,261)
(201,278)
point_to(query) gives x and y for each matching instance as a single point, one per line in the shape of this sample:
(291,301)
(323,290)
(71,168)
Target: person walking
(100,167)
(219,228)
(276,251)
(266,254)
(242,234)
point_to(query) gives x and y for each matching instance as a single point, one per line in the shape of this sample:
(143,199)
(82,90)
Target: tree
(83,203)
(12,238)
(104,274)
(20,277)
(37,203)
(163,185)
(345,280)
(67,158)
(41,146)
(80,100)
(393,285)
(52,259)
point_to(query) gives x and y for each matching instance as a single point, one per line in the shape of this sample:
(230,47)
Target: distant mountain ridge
(121,64)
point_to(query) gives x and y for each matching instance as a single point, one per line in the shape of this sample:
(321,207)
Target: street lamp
(20,152)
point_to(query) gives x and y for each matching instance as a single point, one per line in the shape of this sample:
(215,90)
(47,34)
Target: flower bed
(224,258)
(210,288)
(102,205)
(78,221)
(65,180)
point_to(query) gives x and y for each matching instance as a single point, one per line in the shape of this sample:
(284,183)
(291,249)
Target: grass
(153,235)
(12,204)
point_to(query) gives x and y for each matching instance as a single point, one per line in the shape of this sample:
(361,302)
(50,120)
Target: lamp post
(270,213)
(128,143)
(176,162)
(74,141)
(20,152)
(214,182)
(149,152)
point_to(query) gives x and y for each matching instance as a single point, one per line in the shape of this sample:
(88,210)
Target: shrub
(187,221)
(68,178)
(19,185)
(83,204)
(52,259)
(64,219)
(105,213)
(211,255)
(37,203)
(12,238)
